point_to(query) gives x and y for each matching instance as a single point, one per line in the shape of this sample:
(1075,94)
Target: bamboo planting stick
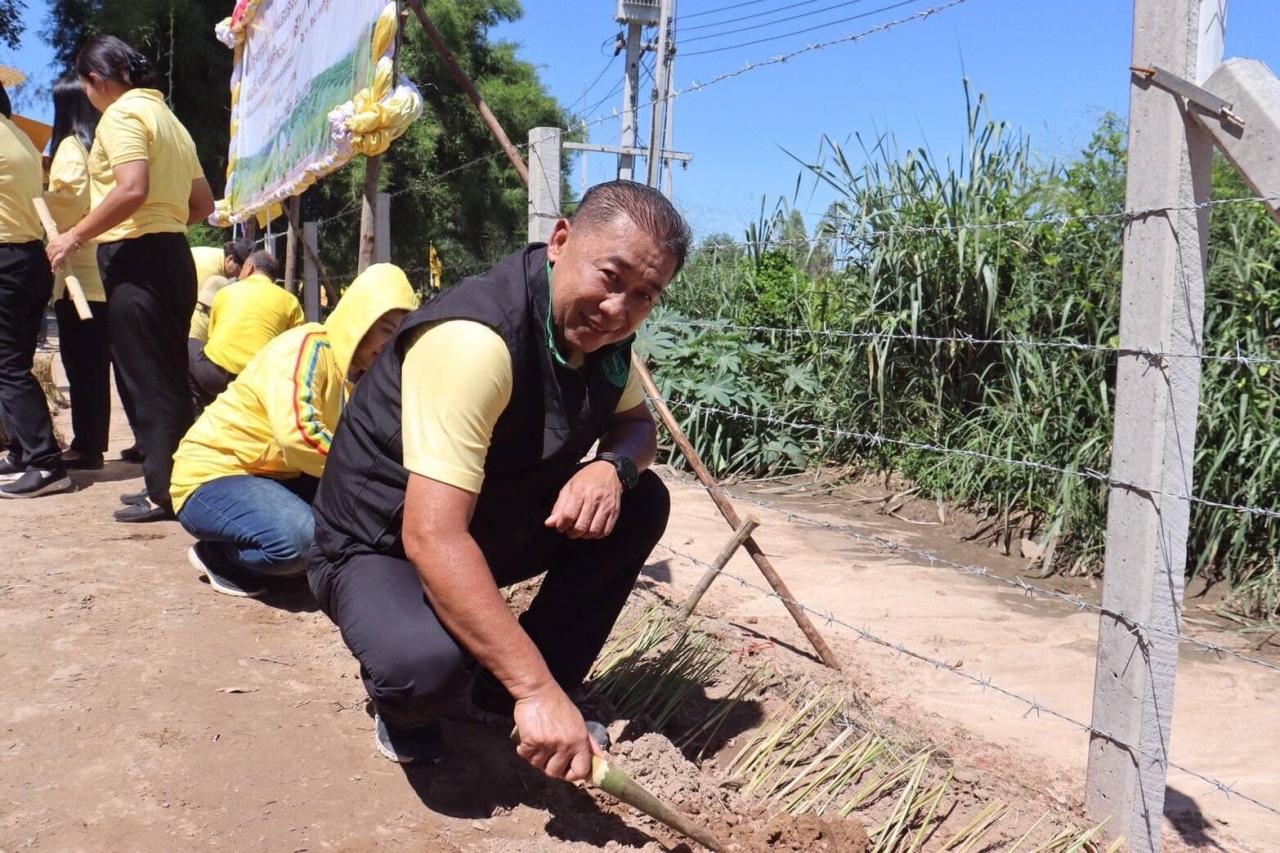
(73,283)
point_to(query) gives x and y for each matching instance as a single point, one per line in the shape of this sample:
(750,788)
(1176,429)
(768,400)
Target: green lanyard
(551,332)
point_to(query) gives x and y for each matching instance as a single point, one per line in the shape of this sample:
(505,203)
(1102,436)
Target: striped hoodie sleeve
(297,407)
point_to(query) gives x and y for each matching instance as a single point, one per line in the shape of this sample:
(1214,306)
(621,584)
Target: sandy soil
(140,709)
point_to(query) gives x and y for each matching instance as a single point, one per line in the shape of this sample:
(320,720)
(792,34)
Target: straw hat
(10,76)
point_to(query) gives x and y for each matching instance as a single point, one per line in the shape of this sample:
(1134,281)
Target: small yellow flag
(437,268)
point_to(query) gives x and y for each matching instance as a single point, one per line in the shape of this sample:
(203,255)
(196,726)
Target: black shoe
(133,454)
(143,512)
(135,498)
(422,745)
(11,470)
(36,482)
(75,460)
(227,580)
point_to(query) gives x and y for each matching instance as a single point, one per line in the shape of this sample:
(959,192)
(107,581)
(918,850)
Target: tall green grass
(1042,281)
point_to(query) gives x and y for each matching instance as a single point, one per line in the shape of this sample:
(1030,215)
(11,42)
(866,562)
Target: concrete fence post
(544,182)
(382,230)
(1156,402)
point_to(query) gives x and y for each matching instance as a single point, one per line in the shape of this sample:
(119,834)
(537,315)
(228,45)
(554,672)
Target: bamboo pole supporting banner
(73,283)
(749,524)
(291,246)
(731,515)
(461,78)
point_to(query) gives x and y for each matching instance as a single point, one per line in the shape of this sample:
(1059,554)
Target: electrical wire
(749,17)
(898,5)
(767,24)
(722,9)
(599,77)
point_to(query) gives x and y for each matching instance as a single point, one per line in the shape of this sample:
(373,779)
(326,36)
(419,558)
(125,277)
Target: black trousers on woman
(151,292)
(26,283)
(86,357)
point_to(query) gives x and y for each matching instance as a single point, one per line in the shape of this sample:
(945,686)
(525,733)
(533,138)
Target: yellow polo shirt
(454,384)
(246,316)
(21,180)
(209,262)
(140,126)
(68,200)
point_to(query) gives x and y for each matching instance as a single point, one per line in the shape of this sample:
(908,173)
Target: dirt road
(139,709)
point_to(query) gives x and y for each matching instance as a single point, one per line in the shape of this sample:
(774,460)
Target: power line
(722,9)
(785,20)
(738,18)
(599,77)
(891,6)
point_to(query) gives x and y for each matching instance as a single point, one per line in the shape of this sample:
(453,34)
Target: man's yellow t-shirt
(210,262)
(246,316)
(140,126)
(455,382)
(68,200)
(21,180)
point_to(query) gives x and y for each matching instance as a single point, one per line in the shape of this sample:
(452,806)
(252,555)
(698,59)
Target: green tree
(11,21)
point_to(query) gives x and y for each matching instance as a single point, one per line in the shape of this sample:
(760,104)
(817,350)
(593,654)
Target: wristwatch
(627,473)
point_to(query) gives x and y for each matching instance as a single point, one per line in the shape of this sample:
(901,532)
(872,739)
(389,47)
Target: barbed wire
(1033,706)
(878,439)
(1020,584)
(778,60)
(1152,356)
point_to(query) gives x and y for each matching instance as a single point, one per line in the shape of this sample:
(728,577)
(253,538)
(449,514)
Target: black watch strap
(627,473)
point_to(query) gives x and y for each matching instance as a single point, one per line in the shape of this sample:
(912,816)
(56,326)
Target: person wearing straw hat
(146,187)
(33,465)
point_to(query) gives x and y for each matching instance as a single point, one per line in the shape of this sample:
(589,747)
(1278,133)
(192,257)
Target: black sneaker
(36,482)
(227,580)
(141,513)
(11,470)
(133,454)
(132,498)
(422,745)
(74,460)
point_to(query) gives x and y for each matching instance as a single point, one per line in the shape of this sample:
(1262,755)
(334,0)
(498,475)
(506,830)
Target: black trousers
(207,378)
(151,292)
(26,283)
(413,669)
(86,356)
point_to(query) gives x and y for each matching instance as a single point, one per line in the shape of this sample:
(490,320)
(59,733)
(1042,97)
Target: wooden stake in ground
(73,283)
(708,577)
(731,516)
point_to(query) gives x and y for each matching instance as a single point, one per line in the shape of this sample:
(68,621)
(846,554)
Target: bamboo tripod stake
(722,559)
(73,283)
(664,414)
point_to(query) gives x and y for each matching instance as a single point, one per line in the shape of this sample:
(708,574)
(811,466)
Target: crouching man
(246,472)
(459,470)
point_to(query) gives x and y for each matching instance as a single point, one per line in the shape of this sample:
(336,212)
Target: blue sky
(1049,67)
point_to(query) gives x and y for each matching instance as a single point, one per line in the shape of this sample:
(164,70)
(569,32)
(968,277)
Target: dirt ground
(139,709)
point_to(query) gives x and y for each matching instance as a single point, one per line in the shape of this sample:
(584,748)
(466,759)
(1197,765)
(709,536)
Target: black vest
(555,414)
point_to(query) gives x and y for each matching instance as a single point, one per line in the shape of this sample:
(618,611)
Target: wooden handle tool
(73,283)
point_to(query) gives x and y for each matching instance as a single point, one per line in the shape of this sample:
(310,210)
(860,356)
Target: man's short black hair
(238,250)
(266,264)
(646,207)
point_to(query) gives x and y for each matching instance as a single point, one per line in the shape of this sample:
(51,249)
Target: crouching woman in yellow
(246,472)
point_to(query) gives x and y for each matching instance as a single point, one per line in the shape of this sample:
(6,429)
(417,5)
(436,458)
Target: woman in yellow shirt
(84,344)
(146,187)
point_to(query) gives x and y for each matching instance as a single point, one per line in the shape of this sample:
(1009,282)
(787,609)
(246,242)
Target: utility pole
(630,85)
(669,134)
(661,91)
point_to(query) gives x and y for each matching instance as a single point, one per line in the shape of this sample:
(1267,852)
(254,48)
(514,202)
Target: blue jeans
(254,523)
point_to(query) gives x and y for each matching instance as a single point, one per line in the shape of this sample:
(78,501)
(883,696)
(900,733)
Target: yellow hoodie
(277,418)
